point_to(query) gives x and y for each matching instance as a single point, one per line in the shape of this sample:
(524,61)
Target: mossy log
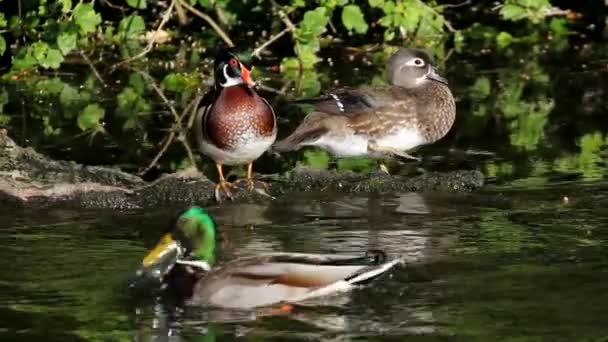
(30,179)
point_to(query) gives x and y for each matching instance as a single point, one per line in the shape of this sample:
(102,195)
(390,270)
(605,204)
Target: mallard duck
(416,108)
(184,260)
(235,126)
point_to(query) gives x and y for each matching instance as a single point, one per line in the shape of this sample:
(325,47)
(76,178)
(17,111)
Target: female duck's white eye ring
(417,62)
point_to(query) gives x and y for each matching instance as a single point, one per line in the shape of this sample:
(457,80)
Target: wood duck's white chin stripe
(230,81)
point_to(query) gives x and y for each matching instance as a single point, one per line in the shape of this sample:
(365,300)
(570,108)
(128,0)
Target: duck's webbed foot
(373,147)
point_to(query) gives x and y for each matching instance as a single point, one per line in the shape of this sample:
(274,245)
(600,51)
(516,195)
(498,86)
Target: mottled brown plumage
(416,108)
(237,116)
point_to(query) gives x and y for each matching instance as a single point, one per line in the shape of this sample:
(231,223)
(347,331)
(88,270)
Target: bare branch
(446,23)
(209,21)
(261,48)
(148,48)
(95,72)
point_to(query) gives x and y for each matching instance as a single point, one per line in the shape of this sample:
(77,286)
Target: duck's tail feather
(296,140)
(372,272)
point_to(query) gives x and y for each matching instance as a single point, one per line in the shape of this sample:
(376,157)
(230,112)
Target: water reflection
(504,253)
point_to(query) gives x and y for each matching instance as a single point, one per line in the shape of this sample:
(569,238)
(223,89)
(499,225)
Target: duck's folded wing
(284,277)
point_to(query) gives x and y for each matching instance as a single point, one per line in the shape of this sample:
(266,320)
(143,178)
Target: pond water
(500,264)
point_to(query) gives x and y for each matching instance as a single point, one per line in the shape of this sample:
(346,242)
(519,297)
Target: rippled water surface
(502,264)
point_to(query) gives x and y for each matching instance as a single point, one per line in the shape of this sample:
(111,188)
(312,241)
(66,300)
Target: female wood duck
(416,108)
(236,125)
(184,261)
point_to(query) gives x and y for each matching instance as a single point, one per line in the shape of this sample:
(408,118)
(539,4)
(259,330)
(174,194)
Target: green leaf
(39,50)
(86,17)
(68,95)
(290,63)
(2,45)
(313,24)
(208,4)
(3,22)
(52,60)
(131,27)
(558,26)
(66,42)
(376,3)
(504,39)
(174,82)
(126,98)
(24,59)
(137,82)
(141,4)
(90,116)
(51,86)
(459,41)
(66,5)
(353,19)
(481,88)
(513,12)
(317,159)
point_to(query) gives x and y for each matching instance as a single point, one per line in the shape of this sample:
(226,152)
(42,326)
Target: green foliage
(141,4)
(533,10)
(353,19)
(90,116)
(86,18)
(317,159)
(91,40)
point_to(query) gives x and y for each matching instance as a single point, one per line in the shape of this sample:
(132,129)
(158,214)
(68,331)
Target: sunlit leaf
(66,5)
(317,159)
(52,60)
(141,4)
(481,88)
(131,27)
(376,3)
(2,45)
(513,12)
(90,116)
(504,39)
(174,82)
(353,19)
(86,17)
(66,42)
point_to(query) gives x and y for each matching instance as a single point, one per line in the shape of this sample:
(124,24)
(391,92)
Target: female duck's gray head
(411,68)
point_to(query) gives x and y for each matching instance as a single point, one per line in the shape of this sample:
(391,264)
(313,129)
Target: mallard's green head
(191,237)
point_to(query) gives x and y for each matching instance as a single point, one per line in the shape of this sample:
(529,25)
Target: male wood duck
(236,125)
(184,260)
(416,108)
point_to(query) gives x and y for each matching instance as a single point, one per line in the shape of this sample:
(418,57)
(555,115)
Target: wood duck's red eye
(233,62)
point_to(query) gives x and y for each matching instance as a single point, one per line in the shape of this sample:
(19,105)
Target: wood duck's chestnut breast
(239,116)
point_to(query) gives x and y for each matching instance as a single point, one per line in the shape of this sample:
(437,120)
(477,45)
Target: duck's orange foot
(224,187)
(283,309)
(249,181)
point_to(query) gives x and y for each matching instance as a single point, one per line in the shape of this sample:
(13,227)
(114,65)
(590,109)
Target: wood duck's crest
(230,71)
(411,68)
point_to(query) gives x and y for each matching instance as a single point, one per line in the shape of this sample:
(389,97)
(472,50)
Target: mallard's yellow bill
(165,246)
